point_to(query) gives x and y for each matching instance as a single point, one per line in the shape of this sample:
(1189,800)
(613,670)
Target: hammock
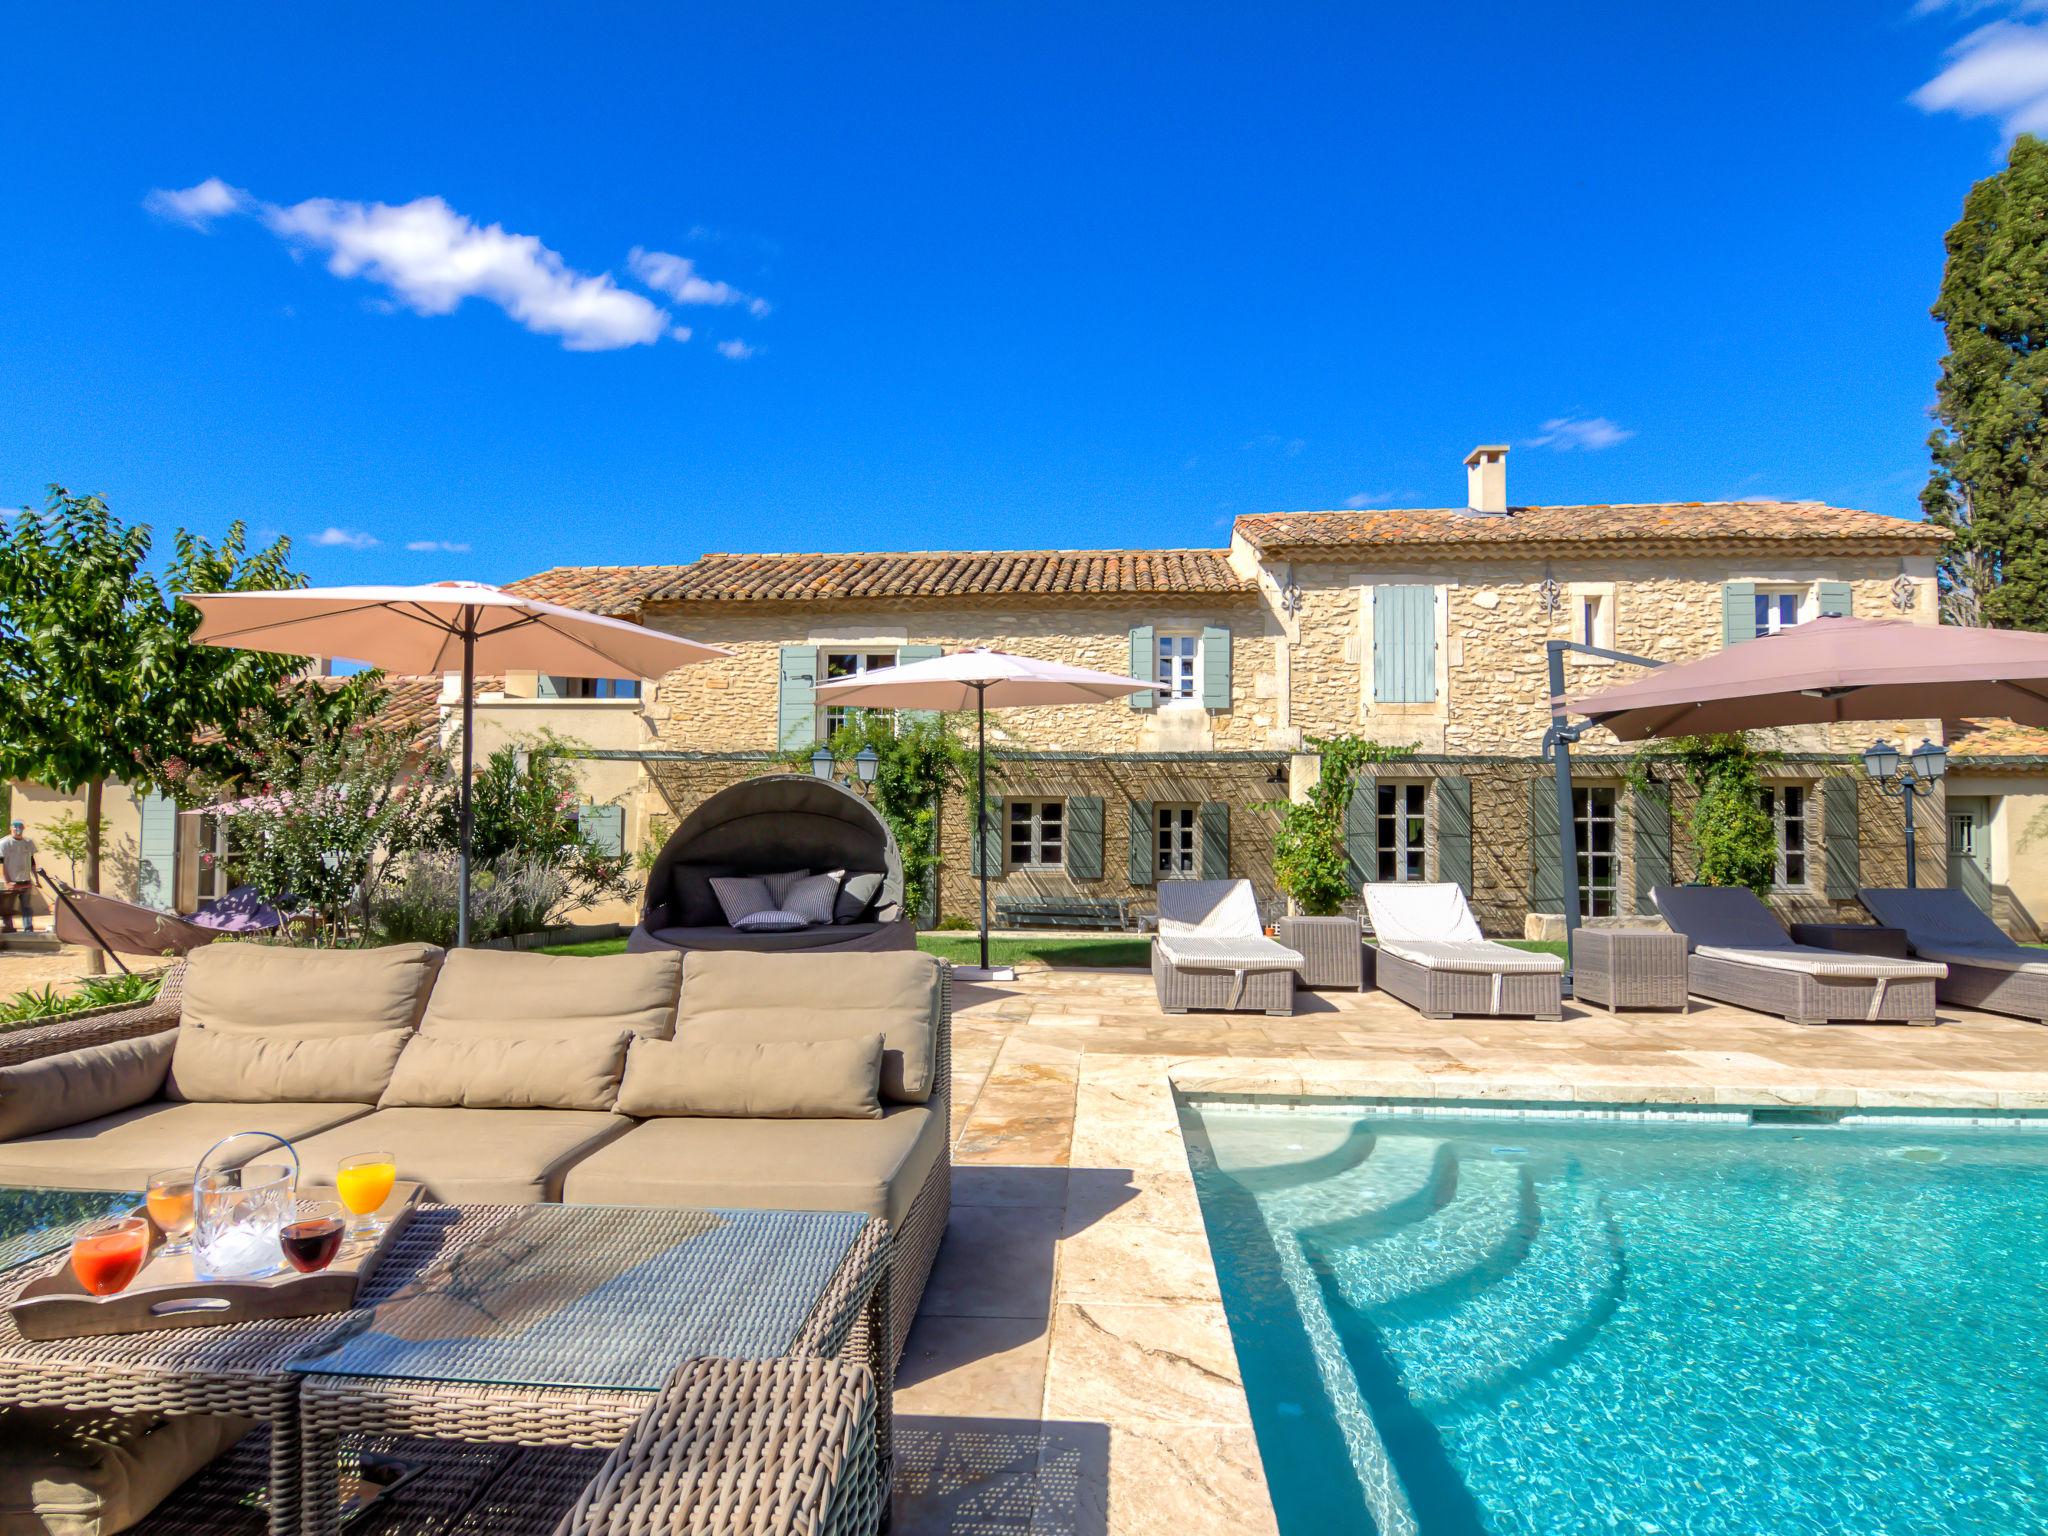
(105,922)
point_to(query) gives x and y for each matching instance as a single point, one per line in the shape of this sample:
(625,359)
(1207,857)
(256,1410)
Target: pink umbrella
(1834,669)
(978,679)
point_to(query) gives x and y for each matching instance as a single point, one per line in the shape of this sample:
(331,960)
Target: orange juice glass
(364,1183)
(168,1198)
(107,1255)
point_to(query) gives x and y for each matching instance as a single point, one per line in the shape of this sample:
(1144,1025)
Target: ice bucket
(238,1211)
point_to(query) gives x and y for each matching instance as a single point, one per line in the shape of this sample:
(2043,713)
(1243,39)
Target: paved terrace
(1071,1371)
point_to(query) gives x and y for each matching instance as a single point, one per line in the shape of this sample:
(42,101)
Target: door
(1969,848)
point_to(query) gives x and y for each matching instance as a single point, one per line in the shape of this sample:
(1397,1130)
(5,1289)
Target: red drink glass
(108,1255)
(312,1236)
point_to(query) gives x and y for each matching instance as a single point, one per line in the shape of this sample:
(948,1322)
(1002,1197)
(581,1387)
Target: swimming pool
(1460,1323)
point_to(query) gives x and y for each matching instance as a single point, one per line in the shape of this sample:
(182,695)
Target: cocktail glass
(168,1197)
(108,1255)
(312,1236)
(364,1183)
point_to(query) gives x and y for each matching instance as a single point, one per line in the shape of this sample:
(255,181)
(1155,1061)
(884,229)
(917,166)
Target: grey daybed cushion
(815,897)
(857,893)
(828,937)
(771,922)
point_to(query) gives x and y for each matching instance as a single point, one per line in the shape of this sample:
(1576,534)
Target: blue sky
(970,276)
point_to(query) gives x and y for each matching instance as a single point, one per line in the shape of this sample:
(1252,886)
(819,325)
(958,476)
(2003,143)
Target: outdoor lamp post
(867,761)
(822,763)
(1910,777)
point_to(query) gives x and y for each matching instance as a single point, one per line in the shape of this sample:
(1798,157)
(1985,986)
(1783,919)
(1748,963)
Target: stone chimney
(1486,478)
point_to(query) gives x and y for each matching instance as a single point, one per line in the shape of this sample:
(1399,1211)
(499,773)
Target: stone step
(1401,1180)
(1283,1151)
(1478,1233)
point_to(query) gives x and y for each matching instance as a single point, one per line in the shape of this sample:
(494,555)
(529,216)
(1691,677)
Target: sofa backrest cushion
(73,1087)
(501,994)
(749,1079)
(731,996)
(273,1066)
(313,993)
(577,1071)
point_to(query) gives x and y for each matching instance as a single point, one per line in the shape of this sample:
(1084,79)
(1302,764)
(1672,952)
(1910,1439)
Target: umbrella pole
(981,805)
(464,811)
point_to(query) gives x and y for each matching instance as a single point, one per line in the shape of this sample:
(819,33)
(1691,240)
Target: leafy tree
(1990,480)
(67,839)
(1731,833)
(1308,853)
(922,756)
(523,805)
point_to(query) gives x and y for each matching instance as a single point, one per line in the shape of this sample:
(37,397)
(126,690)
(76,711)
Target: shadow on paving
(1000,1477)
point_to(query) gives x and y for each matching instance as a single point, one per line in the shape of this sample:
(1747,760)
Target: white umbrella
(978,680)
(438,628)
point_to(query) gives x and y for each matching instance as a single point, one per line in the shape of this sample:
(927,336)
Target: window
(1404,644)
(1403,830)
(1599,856)
(212,881)
(593,687)
(1785,804)
(1178,668)
(1176,842)
(840,664)
(1777,611)
(1038,834)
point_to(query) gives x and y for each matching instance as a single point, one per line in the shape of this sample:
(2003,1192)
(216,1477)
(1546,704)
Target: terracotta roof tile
(1994,738)
(1729,525)
(608,589)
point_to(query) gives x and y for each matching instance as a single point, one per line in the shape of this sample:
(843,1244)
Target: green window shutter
(1144,861)
(1837,597)
(1546,881)
(156,865)
(1362,832)
(1650,806)
(1839,827)
(1738,612)
(547,686)
(905,654)
(986,850)
(1404,644)
(1215,668)
(1144,663)
(1215,829)
(796,703)
(1454,831)
(604,827)
(1084,837)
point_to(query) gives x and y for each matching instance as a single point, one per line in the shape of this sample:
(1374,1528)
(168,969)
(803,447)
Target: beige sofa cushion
(450,1072)
(81,1085)
(806,1080)
(121,1151)
(216,1066)
(875,1166)
(472,1156)
(87,1472)
(769,998)
(496,993)
(315,993)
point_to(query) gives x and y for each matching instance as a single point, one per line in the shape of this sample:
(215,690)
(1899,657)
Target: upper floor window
(591,687)
(838,664)
(1403,830)
(1178,666)
(1778,610)
(1786,805)
(1599,852)
(1038,834)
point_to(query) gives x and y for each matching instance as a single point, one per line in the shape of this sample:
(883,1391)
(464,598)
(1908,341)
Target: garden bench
(1064,912)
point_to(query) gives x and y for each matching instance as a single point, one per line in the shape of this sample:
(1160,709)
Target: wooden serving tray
(165,1294)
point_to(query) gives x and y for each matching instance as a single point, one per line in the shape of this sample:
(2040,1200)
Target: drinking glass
(311,1235)
(107,1255)
(364,1183)
(168,1196)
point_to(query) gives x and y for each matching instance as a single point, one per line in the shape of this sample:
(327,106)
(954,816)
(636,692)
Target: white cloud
(345,538)
(678,278)
(1362,499)
(1564,433)
(1999,70)
(436,547)
(197,206)
(738,351)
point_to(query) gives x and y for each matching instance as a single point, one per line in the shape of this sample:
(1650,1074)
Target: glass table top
(34,1222)
(602,1297)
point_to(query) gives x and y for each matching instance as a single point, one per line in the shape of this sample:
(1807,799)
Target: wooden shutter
(1362,833)
(1546,869)
(1454,831)
(796,704)
(1404,644)
(985,847)
(1215,677)
(905,654)
(1738,612)
(1650,809)
(1841,836)
(1838,598)
(1144,861)
(1084,837)
(1144,663)
(603,827)
(156,866)
(1215,833)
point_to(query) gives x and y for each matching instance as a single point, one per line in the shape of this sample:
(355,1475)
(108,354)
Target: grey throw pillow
(770,922)
(857,893)
(741,896)
(813,898)
(779,886)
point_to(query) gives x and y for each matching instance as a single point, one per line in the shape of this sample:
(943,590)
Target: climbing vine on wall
(1731,832)
(1308,853)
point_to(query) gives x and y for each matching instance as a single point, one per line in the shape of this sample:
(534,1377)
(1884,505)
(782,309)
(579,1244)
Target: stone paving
(1071,1370)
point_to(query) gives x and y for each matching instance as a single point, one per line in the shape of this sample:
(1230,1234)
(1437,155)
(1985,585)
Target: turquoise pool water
(1452,1325)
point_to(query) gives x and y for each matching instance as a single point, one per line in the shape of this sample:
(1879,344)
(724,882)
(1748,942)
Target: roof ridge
(941,554)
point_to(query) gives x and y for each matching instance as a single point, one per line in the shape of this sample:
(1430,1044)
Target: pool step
(1269,1152)
(1403,1179)
(1480,1232)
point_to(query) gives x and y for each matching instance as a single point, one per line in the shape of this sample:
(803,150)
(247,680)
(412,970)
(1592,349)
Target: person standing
(17,877)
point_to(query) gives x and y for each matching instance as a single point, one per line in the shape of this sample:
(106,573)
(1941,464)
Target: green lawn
(1054,949)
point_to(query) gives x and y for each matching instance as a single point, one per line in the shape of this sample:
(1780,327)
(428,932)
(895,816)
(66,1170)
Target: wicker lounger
(1438,993)
(1212,951)
(1987,968)
(100,1027)
(1433,957)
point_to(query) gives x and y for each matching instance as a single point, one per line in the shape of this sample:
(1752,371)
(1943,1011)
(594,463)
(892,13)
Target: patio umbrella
(1831,670)
(441,627)
(980,679)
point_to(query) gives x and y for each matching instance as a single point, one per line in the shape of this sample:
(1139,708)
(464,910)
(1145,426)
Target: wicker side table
(1629,968)
(1333,946)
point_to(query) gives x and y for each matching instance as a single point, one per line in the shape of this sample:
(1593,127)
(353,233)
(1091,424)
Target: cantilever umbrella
(980,679)
(443,627)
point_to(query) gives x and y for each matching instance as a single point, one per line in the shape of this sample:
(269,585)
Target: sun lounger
(1212,951)
(1433,957)
(1987,968)
(1738,952)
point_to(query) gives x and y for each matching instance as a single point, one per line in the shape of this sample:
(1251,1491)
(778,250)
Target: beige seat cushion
(496,993)
(455,1072)
(81,1085)
(83,1472)
(801,1080)
(121,1151)
(471,1156)
(876,1166)
(735,996)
